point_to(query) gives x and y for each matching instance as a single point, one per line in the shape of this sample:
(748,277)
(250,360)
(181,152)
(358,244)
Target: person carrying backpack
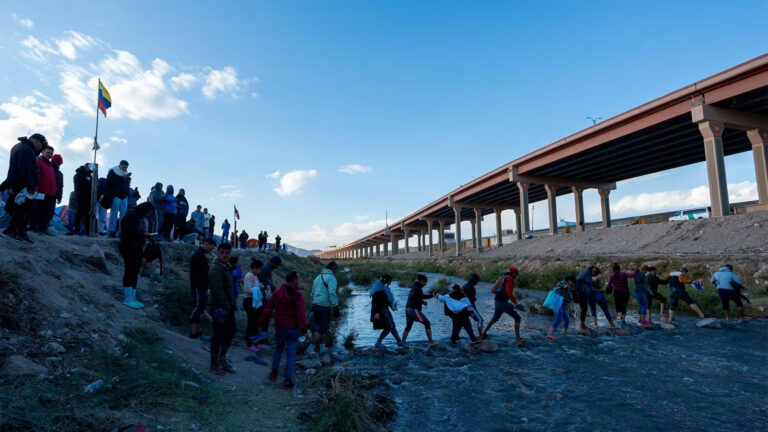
(505,302)
(677,280)
(324,301)
(382,300)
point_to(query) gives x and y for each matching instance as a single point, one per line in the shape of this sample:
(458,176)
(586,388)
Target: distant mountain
(301,252)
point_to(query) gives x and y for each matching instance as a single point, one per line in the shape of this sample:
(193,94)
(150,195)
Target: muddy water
(686,379)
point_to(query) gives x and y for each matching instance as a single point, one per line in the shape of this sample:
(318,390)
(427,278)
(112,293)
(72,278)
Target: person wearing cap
(45,205)
(23,177)
(505,302)
(324,300)
(57,161)
(117,189)
(169,212)
(677,280)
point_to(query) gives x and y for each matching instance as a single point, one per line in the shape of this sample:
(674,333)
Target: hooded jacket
(724,279)
(157,197)
(584,281)
(182,206)
(47,184)
(618,280)
(59,183)
(22,167)
(469,289)
(131,232)
(381,286)
(290,312)
(117,184)
(324,289)
(170,203)
(220,286)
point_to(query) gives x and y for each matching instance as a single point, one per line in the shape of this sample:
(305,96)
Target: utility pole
(594,120)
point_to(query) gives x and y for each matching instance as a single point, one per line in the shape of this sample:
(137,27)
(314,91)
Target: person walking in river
(198,286)
(131,247)
(290,323)
(413,312)
(728,284)
(470,291)
(325,301)
(617,282)
(582,294)
(458,308)
(597,298)
(640,291)
(677,280)
(564,289)
(222,309)
(505,302)
(253,304)
(382,300)
(653,283)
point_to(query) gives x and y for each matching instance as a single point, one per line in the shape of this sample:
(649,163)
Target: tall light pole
(594,120)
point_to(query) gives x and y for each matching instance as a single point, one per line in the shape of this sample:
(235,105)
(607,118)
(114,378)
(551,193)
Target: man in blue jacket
(728,289)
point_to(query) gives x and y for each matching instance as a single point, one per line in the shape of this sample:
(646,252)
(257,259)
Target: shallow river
(687,379)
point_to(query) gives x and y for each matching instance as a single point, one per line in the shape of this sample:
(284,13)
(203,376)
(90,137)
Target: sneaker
(288,384)
(253,348)
(272,376)
(402,344)
(381,346)
(224,364)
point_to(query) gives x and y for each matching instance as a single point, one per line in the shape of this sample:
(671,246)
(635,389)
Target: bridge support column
(578,197)
(605,207)
(419,242)
(394,245)
(759,140)
(524,219)
(478,227)
(712,132)
(552,204)
(457,214)
(429,232)
(473,228)
(407,246)
(378,250)
(518,229)
(386,249)
(497,212)
(441,237)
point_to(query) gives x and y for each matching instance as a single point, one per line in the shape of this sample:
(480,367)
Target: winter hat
(332,266)
(512,269)
(56,159)
(169,187)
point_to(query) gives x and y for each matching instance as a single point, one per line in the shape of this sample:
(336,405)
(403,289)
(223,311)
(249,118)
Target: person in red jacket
(290,323)
(44,209)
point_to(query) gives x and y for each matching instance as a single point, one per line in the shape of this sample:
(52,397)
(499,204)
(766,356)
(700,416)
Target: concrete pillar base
(712,132)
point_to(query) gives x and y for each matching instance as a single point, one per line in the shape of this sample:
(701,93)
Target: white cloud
(321,236)
(68,46)
(676,200)
(292,181)
(354,169)
(183,81)
(220,81)
(24,22)
(27,115)
(73,42)
(360,217)
(118,140)
(274,175)
(37,50)
(230,192)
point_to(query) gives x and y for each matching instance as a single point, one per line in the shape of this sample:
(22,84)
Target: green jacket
(222,294)
(323,295)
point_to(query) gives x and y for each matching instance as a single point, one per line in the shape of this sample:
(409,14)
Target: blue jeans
(642,304)
(561,315)
(288,339)
(598,298)
(118,204)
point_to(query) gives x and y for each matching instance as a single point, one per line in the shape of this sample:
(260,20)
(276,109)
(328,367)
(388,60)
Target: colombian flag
(237,213)
(105,101)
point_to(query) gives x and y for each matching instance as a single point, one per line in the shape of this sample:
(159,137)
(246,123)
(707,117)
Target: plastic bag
(553,301)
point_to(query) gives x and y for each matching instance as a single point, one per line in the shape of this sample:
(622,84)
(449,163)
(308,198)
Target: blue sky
(422,96)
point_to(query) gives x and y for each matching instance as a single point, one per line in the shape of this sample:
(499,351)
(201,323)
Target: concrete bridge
(722,115)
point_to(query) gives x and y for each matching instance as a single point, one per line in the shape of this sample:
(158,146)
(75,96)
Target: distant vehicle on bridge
(698,213)
(564,223)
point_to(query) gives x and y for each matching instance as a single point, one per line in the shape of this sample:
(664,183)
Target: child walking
(564,289)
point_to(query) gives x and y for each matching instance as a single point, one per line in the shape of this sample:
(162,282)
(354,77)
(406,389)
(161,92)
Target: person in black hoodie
(458,311)
(82,182)
(470,291)
(131,247)
(56,161)
(198,285)
(23,178)
(182,209)
(417,299)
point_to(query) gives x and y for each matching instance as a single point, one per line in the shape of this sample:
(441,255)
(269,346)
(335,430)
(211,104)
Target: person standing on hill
(131,247)
(653,283)
(324,301)
(169,213)
(261,240)
(278,239)
(157,198)
(728,289)
(505,302)
(57,161)
(266,241)
(117,189)
(253,304)
(182,209)
(197,217)
(45,207)
(198,286)
(677,280)
(382,300)
(413,312)
(211,226)
(265,277)
(243,239)
(222,309)
(82,182)
(225,231)
(617,282)
(290,323)
(206,222)
(133,196)
(23,177)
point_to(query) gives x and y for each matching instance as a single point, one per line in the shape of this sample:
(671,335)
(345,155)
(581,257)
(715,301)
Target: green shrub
(350,338)
(174,301)
(443,286)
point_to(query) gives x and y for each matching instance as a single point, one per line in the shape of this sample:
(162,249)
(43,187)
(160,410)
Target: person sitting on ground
(640,291)
(265,277)
(564,289)
(290,323)
(653,283)
(470,291)
(617,282)
(131,247)
(677,280)
(198,286)
(222,309)
(458,308)
(413,312)
(728,290)
(253,305)
(382,300)
(325,301)
(505,302)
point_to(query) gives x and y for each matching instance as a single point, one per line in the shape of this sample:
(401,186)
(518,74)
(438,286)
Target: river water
(686,379)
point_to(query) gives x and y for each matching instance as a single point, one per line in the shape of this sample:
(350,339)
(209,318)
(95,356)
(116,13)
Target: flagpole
(94,219)
(234,217)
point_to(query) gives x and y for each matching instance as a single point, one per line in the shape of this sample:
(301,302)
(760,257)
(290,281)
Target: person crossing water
(640,292)
(470,291)
(653,283)
(505,302)
(728,289)
(677,280)
(458,308)
(584,286)
(413,312)
(564,289)
(382,300)
(597,298)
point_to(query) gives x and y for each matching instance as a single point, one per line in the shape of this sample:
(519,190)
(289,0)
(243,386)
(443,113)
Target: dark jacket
(416,296)
(243,236)
(290,311)
(469,289)
(464,313)
(117,185)
(59,183)
(82,182)
(265,277)
(379,305)
(182,206)
(131,232)
(220,286)
(198,270)
(22,167)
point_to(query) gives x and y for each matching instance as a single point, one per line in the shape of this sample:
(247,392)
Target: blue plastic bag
(553,301)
